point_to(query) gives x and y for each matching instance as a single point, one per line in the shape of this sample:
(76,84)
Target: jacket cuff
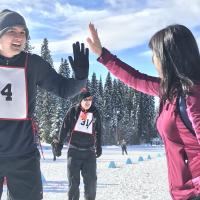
(105,56)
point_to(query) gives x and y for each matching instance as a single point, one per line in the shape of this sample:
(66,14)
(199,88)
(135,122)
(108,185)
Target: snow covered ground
(141,180)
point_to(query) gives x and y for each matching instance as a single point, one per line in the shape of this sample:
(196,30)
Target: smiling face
(12,42)
(86,103)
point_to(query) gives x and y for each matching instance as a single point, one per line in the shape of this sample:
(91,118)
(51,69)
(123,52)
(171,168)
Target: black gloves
(80,63)
(98,151)
(58,149)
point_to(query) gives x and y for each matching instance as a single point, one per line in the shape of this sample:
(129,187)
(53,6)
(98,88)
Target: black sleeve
(65,128)
(98,129)
(49,79)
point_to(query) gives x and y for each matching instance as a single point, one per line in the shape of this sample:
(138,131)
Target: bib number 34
(7,92)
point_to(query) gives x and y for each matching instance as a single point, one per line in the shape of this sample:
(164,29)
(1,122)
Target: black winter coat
(79,139)
(16,136)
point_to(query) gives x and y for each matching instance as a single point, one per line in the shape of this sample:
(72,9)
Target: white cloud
(121,30)
(121,24)
(146,54)
(132,29)
(121,4)
(56,47)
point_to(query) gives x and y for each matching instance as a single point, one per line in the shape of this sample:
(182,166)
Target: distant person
(82,128)
(20,74)
(177,60)
(54,144)
(124,147)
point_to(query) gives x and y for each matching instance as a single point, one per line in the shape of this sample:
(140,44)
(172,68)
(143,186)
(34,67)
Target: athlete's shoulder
(36,62)
(35,57)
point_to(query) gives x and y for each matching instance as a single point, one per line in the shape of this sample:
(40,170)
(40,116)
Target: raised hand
(80,62)
(94,42)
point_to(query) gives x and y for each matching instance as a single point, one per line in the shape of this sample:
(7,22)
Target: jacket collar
(6,61)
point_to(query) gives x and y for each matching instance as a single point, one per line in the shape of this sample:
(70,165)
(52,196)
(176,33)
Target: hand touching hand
(94,42)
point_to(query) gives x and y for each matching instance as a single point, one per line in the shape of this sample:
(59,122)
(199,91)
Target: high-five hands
(94,42)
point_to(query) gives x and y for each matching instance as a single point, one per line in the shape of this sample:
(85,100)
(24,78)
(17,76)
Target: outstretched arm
(47,78)
(124,72)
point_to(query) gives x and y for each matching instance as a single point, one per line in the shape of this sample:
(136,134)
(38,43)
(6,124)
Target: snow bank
(141,180)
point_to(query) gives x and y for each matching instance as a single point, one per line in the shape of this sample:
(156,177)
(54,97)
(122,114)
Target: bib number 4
(6,91)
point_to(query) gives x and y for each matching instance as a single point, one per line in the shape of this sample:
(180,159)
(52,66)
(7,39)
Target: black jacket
(16,136)
(78,139)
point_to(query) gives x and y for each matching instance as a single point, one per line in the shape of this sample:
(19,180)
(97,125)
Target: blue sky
(124,26)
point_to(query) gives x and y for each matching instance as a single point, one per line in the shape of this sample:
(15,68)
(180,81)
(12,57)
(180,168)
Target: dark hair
(177,50)
(84,94)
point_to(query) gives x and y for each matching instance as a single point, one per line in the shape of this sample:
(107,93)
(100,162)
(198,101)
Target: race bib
(13,103)
(84,125)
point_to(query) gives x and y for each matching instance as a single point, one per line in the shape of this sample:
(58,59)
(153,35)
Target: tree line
(126,113)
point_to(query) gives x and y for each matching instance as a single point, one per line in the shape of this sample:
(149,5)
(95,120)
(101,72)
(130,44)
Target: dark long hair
(177,50)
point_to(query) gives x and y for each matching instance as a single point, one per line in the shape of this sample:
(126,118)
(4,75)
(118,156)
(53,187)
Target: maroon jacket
(182,148)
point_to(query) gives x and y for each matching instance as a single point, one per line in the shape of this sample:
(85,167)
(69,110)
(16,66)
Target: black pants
(124,150)
(54,153)
(84,162)
(23,176)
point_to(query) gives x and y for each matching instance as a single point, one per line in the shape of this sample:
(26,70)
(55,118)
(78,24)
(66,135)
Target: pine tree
(100,87)
(28,48)
(62,105)
(107,110)
(150,119)
(114,125)
(100,97)
(135,116)
(129,122)
(146,112)
(124,126)
(46,101)
(88,85)
(127,128)
(94,89)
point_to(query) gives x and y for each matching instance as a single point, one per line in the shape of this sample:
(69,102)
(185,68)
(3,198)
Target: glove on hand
(80,63)
(98,152)
(58,149)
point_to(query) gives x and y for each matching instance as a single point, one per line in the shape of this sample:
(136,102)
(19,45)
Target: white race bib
(13,104)
(84,125)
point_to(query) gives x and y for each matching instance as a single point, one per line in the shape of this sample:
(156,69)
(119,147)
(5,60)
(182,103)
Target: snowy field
(141,180)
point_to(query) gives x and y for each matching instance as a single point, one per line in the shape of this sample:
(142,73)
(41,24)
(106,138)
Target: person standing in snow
(54,143)
(20,74)
(177,60)
(124,147)
(82,128)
